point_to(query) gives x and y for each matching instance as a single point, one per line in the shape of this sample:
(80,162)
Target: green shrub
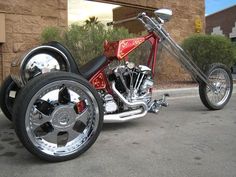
(234,49)
(206,49)
(82,42)
(85,41)
(51,34)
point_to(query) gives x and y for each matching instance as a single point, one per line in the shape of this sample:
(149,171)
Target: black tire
(7,100)
(36,86)
(204,90)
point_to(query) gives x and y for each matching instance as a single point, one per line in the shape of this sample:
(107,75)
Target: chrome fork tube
(175,49)
(186,61)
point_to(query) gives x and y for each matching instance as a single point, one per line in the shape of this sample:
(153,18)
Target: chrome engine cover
(131,86)
(110,105)
(136,82)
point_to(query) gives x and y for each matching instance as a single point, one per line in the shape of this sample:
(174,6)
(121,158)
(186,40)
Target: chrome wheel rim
(55,121)
(220,79)
(39,64)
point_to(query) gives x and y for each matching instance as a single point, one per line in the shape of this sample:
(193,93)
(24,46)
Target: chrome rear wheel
(63,117)
(8,94)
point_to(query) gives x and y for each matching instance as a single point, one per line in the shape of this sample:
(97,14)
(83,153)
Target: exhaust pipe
(128,115)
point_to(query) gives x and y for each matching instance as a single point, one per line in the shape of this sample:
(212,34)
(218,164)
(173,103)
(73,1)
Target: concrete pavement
(184,92)
(234,76)
(183,140)
(181,92)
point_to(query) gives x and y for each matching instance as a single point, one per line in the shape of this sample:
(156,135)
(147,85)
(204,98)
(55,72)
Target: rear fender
(66,52)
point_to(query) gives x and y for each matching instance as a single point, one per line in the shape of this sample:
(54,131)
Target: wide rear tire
(58,116)
(220,76)
(8,93)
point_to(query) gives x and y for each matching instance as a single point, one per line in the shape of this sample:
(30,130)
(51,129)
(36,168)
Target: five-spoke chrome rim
(61,118)
(220,79)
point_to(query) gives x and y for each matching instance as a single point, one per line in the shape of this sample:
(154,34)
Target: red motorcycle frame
(119,50)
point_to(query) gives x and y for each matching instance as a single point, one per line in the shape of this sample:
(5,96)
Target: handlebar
(151,24)
(141,16)
(110,23)
(121,21)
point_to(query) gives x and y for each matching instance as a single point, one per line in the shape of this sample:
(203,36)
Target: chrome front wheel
(58,116)
(220,77)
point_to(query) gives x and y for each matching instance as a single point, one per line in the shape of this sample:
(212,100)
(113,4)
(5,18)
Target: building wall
(24,22)
(26,19)
(221,22)
(182,24)
(121,13)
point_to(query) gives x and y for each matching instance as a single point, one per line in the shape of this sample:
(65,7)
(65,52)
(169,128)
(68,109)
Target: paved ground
(184,140)
(234,76)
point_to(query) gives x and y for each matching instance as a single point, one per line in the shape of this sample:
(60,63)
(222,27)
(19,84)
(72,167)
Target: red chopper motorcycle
(59,115)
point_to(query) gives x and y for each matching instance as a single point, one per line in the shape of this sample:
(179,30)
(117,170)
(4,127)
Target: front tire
(58,116)
(219,75)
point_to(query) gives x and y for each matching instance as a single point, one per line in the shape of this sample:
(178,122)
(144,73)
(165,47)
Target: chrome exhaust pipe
(124,116)
(128,115)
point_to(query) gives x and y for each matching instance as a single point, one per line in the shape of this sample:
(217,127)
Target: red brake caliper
(80,106)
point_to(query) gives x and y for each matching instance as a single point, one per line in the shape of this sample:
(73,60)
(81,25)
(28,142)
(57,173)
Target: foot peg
(163,100)
(156,105)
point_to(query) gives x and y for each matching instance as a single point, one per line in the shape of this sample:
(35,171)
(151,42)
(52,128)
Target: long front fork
(185,60)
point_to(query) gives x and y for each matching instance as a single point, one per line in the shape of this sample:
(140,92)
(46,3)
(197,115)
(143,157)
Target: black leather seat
(87,70)
(90,68)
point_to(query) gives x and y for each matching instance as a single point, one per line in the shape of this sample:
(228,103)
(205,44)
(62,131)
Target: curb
(181,92)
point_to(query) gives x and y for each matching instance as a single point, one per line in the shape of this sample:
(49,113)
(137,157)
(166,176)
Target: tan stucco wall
(24,21)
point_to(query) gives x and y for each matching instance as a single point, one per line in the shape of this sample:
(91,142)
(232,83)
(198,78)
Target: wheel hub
(63,117)
(218,87)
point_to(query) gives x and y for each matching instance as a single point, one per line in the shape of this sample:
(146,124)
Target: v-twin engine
(132,87)
(134,82)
